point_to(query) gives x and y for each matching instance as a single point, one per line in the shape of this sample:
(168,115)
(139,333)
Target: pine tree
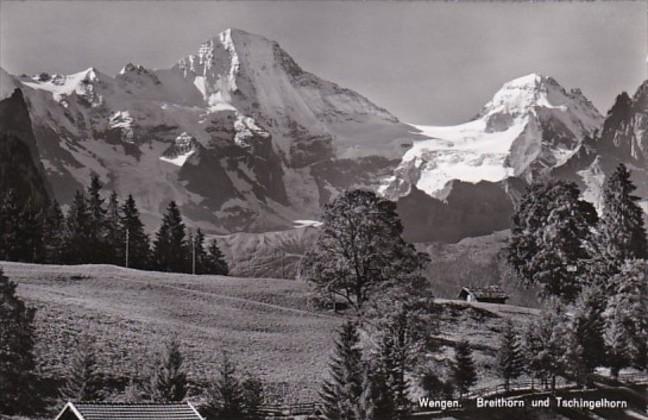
(16,351)
(253,395)
(83,381)
(405,327)
(132,229)
(215,260)
(170,247)
(627,317)
(169,380)
(585,345)
(622,235)
(509,357)
(544,346)
(367,404)
(30,246)
(434,385)
(97,214)
(381,404)
(551,238)
(617,351)
(78,239)
(53,234)
(342,392)
(200,253)
(464,372)
(11,224)
(196,253)
(133,392)
(114,239)
(225,396)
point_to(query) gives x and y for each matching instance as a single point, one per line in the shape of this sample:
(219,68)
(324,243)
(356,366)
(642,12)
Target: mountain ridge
(231,133)
(245,140)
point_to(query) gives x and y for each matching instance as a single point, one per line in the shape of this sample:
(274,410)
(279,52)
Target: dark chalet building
(127,411)
(489,294)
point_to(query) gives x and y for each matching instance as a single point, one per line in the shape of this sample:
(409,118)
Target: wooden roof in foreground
(131,411)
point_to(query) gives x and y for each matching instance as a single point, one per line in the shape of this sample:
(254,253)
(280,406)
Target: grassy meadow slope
(266,323)
(263,322)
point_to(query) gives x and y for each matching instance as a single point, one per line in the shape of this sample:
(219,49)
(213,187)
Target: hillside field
(266,324)
(475,262)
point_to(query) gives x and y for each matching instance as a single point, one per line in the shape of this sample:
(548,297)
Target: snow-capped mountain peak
(534,91)
(82,83)
(531,124)
(253,76)
(522,94)
(237,133)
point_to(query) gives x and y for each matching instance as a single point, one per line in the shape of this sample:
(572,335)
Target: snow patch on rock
(505,140)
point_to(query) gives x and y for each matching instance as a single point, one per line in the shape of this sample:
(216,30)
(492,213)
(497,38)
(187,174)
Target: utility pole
(193,254)
(127,246)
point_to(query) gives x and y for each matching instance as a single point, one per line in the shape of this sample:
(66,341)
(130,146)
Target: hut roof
(134,411)
(488,292)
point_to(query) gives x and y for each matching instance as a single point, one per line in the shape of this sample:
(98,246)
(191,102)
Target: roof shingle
(135,411)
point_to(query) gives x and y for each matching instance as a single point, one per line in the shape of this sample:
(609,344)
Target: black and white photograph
(323,210)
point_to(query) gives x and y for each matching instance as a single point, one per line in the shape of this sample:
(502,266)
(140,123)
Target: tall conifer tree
(11,224)
(621,230)
(544,345)
(79,234)
(169,380)
(83,381)
(627,317)
(97,213)
(464,372)
(584,332)
(170,247)
(509,357)
(53,234)
(16,351)
(215,260)
(342,392)
(115,236)
(133,232)
(225,394)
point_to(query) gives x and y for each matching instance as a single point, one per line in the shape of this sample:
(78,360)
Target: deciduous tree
(551,238)
(360,251)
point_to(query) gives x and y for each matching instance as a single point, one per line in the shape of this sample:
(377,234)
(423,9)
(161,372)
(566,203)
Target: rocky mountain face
(531,125)
(245,140)
(622,139)
(237,134)
(20,168)
(463,180)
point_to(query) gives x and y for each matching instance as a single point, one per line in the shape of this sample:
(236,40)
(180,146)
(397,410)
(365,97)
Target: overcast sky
(426,62)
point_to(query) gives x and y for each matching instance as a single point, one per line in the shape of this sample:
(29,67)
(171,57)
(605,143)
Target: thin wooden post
(127,247)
